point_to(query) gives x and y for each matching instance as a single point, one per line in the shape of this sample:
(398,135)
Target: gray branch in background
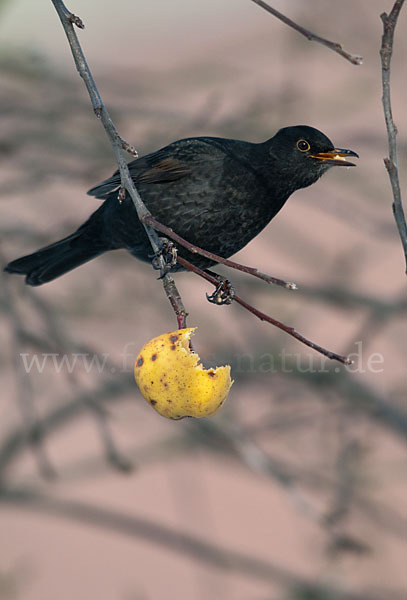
(222,559)
(335,46)
(391,163)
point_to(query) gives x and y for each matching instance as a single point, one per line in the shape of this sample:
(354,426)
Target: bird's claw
(223,294)
(168,251)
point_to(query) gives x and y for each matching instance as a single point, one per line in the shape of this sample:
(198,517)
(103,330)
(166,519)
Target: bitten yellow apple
(172,379)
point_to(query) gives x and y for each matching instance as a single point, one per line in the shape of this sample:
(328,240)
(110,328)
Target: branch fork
(335,46)
(150,224)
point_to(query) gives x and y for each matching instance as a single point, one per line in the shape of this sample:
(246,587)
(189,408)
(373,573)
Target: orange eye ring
(303,145)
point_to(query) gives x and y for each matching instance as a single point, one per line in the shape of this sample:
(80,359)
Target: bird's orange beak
(337,156)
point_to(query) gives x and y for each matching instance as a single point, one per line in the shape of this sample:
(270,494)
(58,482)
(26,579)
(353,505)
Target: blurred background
(296,490)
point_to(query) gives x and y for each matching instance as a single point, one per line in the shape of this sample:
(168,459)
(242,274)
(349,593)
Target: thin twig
(149,220)
(68,21)
(335,46)
(386,51)
(263,317)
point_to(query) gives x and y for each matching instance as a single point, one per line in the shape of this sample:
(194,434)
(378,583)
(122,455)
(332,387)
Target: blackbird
(217,193)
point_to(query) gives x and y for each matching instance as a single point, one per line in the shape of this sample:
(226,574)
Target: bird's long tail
(57,259)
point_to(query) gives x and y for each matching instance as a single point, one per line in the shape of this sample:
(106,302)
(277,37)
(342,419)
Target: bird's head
(306,153)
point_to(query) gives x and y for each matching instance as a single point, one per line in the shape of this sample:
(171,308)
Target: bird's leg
(149,220)
(168,251)
(224,292)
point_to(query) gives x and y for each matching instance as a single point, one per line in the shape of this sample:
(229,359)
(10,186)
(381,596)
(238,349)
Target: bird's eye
(303,146)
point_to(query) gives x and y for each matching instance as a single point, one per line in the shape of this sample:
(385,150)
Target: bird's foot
(223,294)
(168,251)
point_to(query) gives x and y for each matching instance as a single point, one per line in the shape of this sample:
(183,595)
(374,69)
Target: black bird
(216,193)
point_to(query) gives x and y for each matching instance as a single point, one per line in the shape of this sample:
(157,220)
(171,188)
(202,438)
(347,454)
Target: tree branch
(68,21)
(386,51)
(150,220)
(335,46)
(263,317)
(118,145)
(220,558)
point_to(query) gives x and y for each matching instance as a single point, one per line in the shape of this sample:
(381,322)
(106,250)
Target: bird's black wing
(171,163)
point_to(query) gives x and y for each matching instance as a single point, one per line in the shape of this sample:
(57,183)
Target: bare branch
(263,317)
(218,259)
(68,21)
(386,51)
(335,46)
